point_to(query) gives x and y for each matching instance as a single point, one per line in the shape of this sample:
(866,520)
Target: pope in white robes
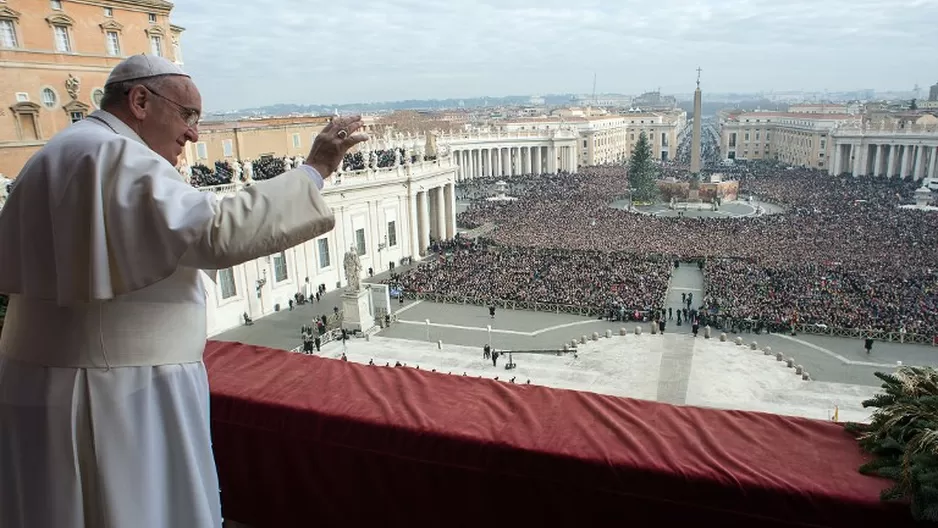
(104,398)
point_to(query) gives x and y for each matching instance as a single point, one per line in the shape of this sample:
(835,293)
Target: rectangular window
(156,45)
(757,136)
(7,34)
(201,151)
(280,267)
(823,143)
(227,148)
(747,136)
(113,44)
(152,18)
(392,233)
(226,282)
(76,116)
(56,4)
(323,248)
(360,241)
(766,136)
(62,42)
(296,141)
(108,12)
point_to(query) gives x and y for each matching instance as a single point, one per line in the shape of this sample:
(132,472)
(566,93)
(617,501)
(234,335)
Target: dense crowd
(842,254)
(590,279)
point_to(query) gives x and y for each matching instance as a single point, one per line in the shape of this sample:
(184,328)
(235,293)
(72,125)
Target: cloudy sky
(248,53)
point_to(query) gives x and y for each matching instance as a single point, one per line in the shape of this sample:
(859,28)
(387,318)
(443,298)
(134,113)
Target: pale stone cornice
(160,6)
(26,107)
(75,106)
(6,12)
(176,29)
(111,25)
(60,19)
(155,30)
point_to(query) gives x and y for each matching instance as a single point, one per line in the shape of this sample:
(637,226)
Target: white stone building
(386,215)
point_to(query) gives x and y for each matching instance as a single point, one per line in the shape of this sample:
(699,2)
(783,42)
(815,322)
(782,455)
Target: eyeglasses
(190,115)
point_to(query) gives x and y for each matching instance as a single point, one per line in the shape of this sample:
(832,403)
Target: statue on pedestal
(373,160)
(236,170)
(248,171)
(397,157)
(186,171)
(288,163)
(353,269)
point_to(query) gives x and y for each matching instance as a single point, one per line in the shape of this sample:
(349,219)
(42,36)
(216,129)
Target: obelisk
(695,139)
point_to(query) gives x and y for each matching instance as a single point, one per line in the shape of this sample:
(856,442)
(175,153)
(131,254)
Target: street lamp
(631,190)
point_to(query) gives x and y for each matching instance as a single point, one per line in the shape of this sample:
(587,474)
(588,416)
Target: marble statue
(373,160)
(248,170)
(353,269)
(236,170)
(186,171)
(288,163)
(397,157)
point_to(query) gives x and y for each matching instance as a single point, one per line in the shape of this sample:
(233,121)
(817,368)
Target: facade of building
(898,147)
(611,138)
(933,92)
(385,215)
(796,139)
(55,56)
(880,143)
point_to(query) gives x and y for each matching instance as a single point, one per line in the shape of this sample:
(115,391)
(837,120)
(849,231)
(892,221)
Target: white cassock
(104,400)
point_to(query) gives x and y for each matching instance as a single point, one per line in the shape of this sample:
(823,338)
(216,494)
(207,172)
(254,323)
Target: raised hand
(333,142)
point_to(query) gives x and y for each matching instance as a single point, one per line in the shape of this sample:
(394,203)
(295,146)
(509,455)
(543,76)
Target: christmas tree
(643,173)
(903,436)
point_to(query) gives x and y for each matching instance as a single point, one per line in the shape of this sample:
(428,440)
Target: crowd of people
(488,273)
(841,254)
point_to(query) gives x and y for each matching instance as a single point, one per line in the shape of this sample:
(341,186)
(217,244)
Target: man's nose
(192,134)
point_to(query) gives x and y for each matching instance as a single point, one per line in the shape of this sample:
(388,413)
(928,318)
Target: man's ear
(138,100)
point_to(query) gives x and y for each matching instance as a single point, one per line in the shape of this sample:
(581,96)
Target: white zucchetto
(143,66)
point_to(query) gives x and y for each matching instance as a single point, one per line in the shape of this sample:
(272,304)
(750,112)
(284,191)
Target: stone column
(497,161)
(423,223)
(917,166)
(877,160)
(413,218)
(433,206)
(891,162)
(904,165)
(855,156)
(449,192)
(931,164)
(835,163)
(441,216)
(538,161)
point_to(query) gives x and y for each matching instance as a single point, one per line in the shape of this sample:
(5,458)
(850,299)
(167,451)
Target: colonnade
(476,162)
(432,215)
(916,160)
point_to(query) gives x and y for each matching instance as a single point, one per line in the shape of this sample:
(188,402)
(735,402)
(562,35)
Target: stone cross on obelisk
(695,138)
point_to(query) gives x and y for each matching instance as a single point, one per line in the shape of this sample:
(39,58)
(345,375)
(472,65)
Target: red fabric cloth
(305,441)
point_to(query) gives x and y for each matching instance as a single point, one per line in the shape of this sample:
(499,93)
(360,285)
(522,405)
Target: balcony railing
(346,178)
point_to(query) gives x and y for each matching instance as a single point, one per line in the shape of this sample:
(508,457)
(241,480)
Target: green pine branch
(903,437)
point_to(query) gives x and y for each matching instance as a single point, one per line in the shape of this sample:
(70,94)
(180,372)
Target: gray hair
(115,94)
